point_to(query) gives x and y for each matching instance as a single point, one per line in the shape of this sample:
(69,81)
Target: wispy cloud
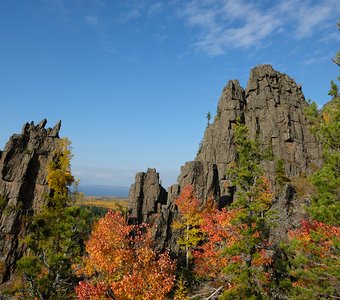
(91,20)
(106,176)
(57,8)
(230,24)
(155,8)
(307,16)
(129,15)
(317,59)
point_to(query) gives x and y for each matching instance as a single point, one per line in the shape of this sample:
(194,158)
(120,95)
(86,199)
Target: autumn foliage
(189,221)
(56,234)
(121,264)
(230,247)
(315,264)
(236,249)
(219,232)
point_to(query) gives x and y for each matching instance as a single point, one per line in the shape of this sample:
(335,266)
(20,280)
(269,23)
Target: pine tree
(250,255)
(325,205)
(208,118)
(314,261)
(314,247)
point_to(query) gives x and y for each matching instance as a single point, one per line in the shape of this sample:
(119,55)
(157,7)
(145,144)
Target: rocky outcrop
(146,196)
(275,117)
(23,187)
(271,107)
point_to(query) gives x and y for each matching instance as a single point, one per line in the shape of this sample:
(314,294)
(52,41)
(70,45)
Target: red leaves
(87,291)
(234,242)
(316,232)
(187,203)
(314,250)
(219,232)
(122,263)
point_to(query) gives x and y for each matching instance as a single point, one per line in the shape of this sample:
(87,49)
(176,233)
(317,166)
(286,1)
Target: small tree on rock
(56,236)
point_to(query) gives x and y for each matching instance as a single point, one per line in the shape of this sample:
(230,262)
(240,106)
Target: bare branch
(214,293)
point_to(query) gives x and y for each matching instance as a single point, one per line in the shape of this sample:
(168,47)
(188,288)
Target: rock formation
(146,196)
(23,187)
(272,108)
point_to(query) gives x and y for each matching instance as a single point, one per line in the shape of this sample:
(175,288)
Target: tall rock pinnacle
(271,107)
(23,187)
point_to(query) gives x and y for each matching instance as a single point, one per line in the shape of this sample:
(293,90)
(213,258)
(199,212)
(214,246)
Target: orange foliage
(315,258)
(225,229)
(264,193)
(187,203)
(318,233)
(122,263)
(209,260)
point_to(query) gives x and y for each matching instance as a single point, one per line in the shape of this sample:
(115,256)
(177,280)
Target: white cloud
(104,176)
(307,16)
(230,24)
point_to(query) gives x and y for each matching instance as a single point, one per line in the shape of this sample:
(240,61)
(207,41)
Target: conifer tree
(325,206)
(56,236)
(250,255)
(314,252)
(314,247)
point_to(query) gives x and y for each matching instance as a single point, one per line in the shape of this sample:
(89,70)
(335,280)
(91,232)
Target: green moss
(280,176)
(218,114)
(3,202)
(268,151)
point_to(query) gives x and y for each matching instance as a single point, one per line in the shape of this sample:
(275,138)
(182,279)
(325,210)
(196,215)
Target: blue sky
(132,81)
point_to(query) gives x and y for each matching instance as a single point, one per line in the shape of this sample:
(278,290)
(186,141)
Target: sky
(132,81)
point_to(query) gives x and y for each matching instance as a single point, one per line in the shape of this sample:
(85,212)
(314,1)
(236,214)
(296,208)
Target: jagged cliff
(271,106)
(23,187)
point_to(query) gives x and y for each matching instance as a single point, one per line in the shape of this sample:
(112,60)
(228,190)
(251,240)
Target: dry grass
(303,186)
(113,203)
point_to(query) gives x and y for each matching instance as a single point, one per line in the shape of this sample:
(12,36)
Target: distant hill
(104,190)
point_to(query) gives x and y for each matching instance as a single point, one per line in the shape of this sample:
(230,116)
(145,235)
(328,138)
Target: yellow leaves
(190,218)
(110,203)
(181,292)
(264,195)
(59,175)
(326,117)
